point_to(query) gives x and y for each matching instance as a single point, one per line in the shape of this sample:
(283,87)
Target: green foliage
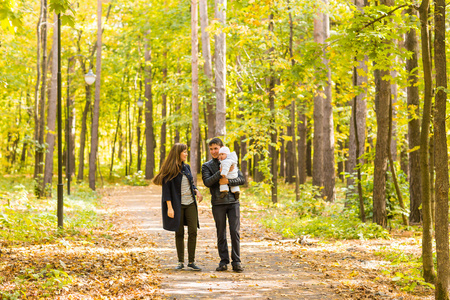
(23,218)
(50,280)
(137,179)
(411,276)
(314,216)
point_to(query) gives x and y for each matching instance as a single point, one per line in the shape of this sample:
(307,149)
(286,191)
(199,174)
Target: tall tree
(413,101)
(221,69)
(360,111)
(206,51)
(51,115)
(40,106)
(162,147)
(427,236)
(149,135)
(318,143)
(441,154)
(383,90)
(329,173)
(96,112)
(195,112)
(273,130)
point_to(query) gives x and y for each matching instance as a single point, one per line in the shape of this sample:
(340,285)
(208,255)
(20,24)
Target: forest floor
(275,268)
(129,256)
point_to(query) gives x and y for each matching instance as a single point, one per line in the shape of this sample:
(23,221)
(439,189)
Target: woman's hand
(199,196)
(170,212)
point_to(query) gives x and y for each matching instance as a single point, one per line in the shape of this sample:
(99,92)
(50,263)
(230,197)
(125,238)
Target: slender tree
(51,115)
(149,135)
(195,111)
(360,111)
(427,250)
(96,112)
(206,51)
(221,69)
(413,101)
(441,154)
(318,163)
(383,90)
(329,173)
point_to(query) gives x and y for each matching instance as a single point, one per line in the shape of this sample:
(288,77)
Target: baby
(227,160)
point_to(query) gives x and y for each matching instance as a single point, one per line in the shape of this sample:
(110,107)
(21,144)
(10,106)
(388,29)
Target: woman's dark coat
(171,191)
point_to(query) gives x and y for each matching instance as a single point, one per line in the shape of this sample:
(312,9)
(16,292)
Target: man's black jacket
(211,176)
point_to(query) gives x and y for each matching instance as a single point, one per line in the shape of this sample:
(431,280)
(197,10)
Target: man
(223,207)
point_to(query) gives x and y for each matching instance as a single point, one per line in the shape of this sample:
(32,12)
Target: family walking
(180,196)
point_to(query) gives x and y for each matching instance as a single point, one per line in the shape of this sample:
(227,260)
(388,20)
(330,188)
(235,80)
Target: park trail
(271,269)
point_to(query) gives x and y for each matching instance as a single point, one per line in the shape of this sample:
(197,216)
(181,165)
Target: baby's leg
(235,189)
(224,187)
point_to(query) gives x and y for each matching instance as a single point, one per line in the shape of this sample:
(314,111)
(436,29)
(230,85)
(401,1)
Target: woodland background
(342,101)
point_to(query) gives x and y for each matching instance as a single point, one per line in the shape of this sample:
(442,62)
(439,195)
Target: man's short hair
(216,141)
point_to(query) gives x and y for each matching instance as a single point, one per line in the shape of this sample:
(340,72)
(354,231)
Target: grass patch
(311,215)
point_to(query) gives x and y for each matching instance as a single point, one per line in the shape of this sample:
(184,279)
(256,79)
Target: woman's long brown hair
(171,166)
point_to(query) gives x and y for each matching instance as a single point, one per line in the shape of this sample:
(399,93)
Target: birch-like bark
(51,114)
(195,111)
(221,69)
(206,51)
(96,112)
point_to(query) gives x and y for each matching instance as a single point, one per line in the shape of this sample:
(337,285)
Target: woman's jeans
(190,216)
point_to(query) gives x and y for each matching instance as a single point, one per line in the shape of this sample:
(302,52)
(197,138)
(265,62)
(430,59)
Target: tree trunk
(51,115)
(282,172)
(40,149)
(116,132)
(221,69)
(360,80)
(70,127)
(162,147)
(329,172)
(381,148)
(149,136)
(302,146)
(413,102)
(441,154)
(383,91)
(427,250)
(206,49)
(96,112)
(394,94)
(318,164)
(87,108)
(195,133)
(39,26)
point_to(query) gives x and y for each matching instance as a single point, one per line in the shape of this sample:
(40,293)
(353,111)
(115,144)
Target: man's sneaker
(180,266)
(223,194)
(221,268)
(194,267)
(238,268)
(236,195)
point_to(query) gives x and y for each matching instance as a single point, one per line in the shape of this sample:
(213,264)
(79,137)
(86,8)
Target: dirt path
(271,270)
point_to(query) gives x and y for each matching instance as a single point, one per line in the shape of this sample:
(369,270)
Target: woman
(179,206)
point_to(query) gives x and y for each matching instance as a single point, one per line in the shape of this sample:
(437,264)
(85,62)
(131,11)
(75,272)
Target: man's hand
(223,180)
(199,196)
(231,168)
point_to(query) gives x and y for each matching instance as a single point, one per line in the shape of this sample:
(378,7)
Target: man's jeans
(220,213)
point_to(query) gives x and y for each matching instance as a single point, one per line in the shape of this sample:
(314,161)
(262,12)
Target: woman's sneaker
(194,267)
(180,266)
